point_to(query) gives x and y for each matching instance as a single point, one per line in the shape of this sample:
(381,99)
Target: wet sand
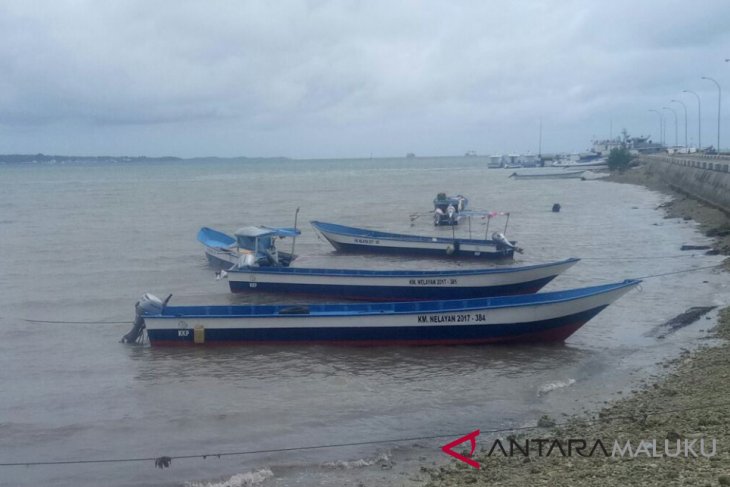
(687,406)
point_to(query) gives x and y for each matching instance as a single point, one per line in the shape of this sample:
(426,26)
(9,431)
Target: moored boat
(396,285)
(548,175)
(447,210)
(352,239)
(224,251)
(542,317)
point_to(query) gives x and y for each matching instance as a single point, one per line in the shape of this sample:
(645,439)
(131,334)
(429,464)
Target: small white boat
(258,241)
(352,239)
(548,175)
(396,285)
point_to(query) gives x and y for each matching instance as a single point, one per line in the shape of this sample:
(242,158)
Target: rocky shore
(686,410)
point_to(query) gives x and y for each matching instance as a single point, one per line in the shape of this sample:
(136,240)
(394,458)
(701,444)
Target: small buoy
(556,208)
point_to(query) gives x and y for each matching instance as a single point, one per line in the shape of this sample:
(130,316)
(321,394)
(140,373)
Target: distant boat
(550,175)
(496,161)
(573,164)
(351,239)
(542,317)
(396,285)
(257,241)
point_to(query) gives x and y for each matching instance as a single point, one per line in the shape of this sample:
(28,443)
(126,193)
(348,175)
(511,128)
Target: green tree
(619,159)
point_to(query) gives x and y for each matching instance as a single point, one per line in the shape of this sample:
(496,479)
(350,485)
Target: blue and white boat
(351,239)
(396,285)
(542,317)
(257,241)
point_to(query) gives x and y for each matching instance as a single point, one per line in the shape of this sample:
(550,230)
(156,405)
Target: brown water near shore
(688,405)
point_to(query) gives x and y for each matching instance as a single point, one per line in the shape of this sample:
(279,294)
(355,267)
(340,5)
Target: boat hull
(546,317)
(222,258)
(397,285)
(355,240)
(554,175)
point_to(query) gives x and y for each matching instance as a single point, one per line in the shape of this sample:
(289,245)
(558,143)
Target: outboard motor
(150,304)
(248,260)
(450,210)
(502,240)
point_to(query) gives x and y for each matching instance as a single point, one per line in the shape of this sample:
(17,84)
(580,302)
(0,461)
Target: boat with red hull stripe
(542,317)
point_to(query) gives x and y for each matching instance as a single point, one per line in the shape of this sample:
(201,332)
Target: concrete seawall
(706,178)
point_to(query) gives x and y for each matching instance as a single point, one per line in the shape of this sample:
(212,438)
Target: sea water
(80,243)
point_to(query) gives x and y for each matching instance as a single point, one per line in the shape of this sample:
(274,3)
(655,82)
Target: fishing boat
(549,175)
(447,210)
(396,285)
(602,162)
(351,239)
(259,242)
(542,317)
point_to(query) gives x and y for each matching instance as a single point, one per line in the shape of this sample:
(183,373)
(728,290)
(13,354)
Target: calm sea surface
(81,243)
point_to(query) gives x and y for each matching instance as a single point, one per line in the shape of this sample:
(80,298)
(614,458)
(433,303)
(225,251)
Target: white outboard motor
(151,304)
(450,211)
(499,237)
(248,260)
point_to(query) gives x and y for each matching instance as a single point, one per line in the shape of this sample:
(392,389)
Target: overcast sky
(309,79)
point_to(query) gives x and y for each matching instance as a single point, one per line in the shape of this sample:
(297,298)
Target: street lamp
(719,106)
(699,118)
(675,123)
(685,119)
(661,126)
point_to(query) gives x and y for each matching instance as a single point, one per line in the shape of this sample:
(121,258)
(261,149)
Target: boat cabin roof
(261,231)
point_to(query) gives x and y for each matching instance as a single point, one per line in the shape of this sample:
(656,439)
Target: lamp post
(685,119)
(661,126)
(699,118)
(675,123)
(719,107)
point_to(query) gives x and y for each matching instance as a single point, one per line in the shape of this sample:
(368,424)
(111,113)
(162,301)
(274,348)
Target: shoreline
(689,405)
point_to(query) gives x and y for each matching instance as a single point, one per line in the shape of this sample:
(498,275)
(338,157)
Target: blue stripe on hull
(366,249)
(557,329)
(391,293)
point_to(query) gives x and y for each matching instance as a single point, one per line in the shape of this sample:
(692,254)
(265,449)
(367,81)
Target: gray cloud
(320,78)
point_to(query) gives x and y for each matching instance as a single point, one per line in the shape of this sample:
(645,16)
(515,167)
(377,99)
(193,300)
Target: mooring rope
(78,322)
(165,461)
(681,272)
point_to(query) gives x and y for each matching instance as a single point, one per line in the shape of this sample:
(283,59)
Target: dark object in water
(556,208)
(680,321)
(695,247)
(718,232)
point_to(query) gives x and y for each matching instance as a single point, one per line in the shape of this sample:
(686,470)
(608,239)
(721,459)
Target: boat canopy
(260,231)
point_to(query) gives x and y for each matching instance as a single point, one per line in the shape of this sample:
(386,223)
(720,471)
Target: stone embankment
(704,177)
